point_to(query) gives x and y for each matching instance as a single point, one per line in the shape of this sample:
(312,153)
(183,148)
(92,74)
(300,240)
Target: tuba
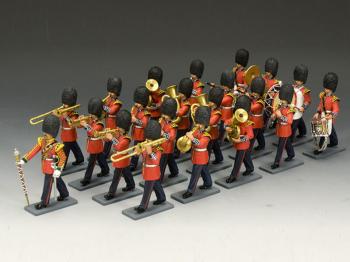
(59,111)
(240,116)
(184,144)
(202,100)
(152,85)
(171,93)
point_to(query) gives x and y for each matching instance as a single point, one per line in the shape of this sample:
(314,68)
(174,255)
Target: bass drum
(270,97)
(321,128)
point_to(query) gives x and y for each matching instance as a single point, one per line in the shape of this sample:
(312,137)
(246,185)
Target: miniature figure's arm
(227,100)
(61,156)
(307,99)
(183,110)
(36,149)
(92,131)
(171,135)
(256,107)
(120,144)
(335,108)
(202,142)
(113,109)
(214,119)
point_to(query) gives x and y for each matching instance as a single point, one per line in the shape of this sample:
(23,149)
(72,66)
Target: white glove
(56,173)
(21,162)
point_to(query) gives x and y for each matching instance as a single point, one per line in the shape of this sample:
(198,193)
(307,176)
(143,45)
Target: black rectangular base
(330,151)
(169,181)
(283,166)
(198,194)
(256,154)
(150,211)
(53,206)
(95,181)
(119,196)
(70,169)
(183,158)
(298,141)
(215,168)
(240,181)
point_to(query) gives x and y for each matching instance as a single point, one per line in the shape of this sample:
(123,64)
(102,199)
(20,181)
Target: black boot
(173,175)
(128,188)
(187,194)
(140,209)
(158,202)
(230,179)
(215,162)
(258,148)
(289,158)
(275,165)
(61,198)
(77,163)
(317,152)
(102,174)
(40,206)
(108,196)
(204,187)
(84,182)
(248,172)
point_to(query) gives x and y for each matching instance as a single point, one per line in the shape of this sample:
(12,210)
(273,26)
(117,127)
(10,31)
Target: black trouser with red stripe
(152,185)
(284,143)
(135,159)
(100,158)
(107,148)
(242,156)
(258,136)
(74,147)
(197,171)
(168,160)
(61,187)
(214,145)
(118,173)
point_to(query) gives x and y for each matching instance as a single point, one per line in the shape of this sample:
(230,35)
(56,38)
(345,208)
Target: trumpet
(76,122)
(137,149)
(105,99)
(59,111)
(102,134)
(184,144)
(240,116)
(171,93)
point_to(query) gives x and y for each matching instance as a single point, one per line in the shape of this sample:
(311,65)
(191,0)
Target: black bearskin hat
(228,79)
(271,66)
(242,57)
(156,73)
(216,94)
(114,85)
(202,115)
(141,95)
(69,96)
(197,68)
(258,85)
(286,93)
(330,81)
(51,125)
(153,130)
(243,102)
(95,107)
(169,107)
(186,87)
(300,73)
(123,119)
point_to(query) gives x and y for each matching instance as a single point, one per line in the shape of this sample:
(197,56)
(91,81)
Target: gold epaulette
(231,95)
(322,94)
(186,103)
(207,134)
(40,140)
(174,125)
(261,101)
(200,84)
(74,113)
(146,112)
(118,102)
(59,147)
(100,123)
(335,98)
(128,137)
(250,123)
(217,112)
(161,91)
(306,90)
(291,110)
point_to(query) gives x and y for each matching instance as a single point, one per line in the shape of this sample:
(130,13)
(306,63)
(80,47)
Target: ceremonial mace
(21,174)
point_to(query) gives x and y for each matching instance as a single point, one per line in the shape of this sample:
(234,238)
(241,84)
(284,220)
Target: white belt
(138,127)
(283,124)
(256,115)
(214,125)
(329,111)
(112,116)
(200,149)
(49,159)
(227,107)
(68,128)
(94,138)
(147,165)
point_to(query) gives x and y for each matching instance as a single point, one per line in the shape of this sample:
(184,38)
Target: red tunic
(156,101)
(227,106)
(94,145)
(256,114)
(113,108)
(246,130)
(284,124)
(50,149)
(169,130)
(121,143)
(240,74)
(197,90)
(150,166)
(184,113)
(138,129)
(331,105)
(199,151)
(270,82)
(307,95)
(215,117)
(68,133)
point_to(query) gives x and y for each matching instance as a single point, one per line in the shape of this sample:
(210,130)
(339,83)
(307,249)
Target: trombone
(102,134)
(59,111)
(137,149)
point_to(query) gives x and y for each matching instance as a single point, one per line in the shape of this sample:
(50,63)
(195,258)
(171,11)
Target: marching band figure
(150,168)
(256,112)
(111,106)
(242,142)
(52,160)
(216,95)
(121,141)
(168,110)
(328,108)
(185,92)
(196,70)
(69,133)
(302,100)
(241,59)
(200,158)
(139,119)
(155,73)
(94,144)
(284,116)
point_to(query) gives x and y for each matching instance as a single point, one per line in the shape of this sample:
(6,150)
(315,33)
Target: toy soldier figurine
(241,143)
(121,142)
(111,106)
(151,169)
(328,108)
(156,73)
(52,160)
(256,112)
(302,100)
(94,144)
(216,95)
(168,110)
(284,116)
(196,70)
(139,119)
(200,158)
(241,59)
(68,132)
(185,91)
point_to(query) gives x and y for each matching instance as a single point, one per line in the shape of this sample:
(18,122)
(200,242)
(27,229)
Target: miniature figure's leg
(115,181)
(129,179)
(217,151)
(158,190)
(62,188)
(289,148)
(79,157)
(107,148)
(222,132)
(103,163)
(162,164)
(302,127)
(238,163)
(248,163)
(196,173)
(252,141)
(134,159)
(210,148)
(260,137)
(295,125)
(45,197)
(174,170)
(207,182)
(66,150)
(147,191)
(281,145)
(90,167)
(266,118)
(333,138)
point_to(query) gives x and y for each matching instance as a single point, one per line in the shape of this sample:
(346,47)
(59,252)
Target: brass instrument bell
(252,72)
(152,85)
